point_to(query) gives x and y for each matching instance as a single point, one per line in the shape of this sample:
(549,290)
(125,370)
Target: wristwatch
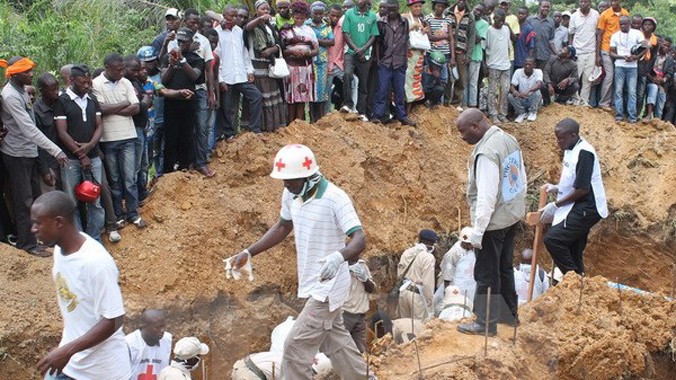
(183,60)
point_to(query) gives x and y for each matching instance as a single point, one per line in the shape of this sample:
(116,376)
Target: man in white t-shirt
(623,49)
(322,217)
(498,40)
(524,93)
(150,345)
(92,345)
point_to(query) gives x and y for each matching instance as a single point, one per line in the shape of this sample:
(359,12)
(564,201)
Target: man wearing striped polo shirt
(321,216)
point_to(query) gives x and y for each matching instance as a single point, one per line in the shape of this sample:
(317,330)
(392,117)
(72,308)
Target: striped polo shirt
(321,225)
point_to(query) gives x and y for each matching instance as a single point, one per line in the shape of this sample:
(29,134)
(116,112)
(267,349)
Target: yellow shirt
(609,22)
(513,22)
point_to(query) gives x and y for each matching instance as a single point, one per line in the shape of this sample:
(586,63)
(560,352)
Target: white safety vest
(570,158)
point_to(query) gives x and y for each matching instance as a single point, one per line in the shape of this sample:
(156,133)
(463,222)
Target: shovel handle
(536,245)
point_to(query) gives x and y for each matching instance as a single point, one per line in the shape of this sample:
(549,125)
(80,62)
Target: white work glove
(547,213)
(359,271)
(331,264)
(551,188)
(235,273)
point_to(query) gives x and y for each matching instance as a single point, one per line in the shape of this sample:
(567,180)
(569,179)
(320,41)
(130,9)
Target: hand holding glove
(550,188)
(233,265)
(331,264)
(547,213)
(359,271)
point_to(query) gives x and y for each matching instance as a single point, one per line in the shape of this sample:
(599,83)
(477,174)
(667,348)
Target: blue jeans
(201,132)
(71,175)
(213,130)
(625,79)
(141,172)
(390,79)
(121,165)
(657,98)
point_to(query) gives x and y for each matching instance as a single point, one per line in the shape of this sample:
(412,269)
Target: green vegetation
(55,32)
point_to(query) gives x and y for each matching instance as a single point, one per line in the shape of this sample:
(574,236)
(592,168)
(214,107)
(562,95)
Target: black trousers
(362,69)
(24,183)
(566,241)
(180,119)
(494,269)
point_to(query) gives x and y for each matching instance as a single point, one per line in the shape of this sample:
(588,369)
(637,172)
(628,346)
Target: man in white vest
(322,217)
(496,191)
(580,200)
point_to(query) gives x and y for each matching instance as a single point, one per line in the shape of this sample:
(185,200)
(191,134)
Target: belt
(413,288)
(254,369)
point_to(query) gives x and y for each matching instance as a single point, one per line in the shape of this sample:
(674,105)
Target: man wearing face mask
(188,354)
(416,267)
(322,217)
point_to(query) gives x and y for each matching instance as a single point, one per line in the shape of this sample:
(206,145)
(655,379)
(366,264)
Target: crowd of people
(100,134)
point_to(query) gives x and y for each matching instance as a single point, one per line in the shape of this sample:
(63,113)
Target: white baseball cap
(172,12)
(465,234)
(188,348)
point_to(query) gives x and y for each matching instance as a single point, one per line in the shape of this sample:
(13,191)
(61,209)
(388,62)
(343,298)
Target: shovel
(533,219)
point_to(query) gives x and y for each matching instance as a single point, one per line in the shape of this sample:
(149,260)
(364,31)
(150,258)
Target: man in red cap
(20,149)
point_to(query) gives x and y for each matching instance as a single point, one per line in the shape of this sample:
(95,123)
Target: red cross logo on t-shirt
(280,165)
(149,375)
(307,163)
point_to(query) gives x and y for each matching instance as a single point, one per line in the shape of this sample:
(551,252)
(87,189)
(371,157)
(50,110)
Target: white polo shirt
(321,224)
(583,27)
(115,127)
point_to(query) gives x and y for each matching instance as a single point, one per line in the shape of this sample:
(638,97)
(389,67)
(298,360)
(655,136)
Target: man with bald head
(150,345)
(580,199)
(496,191)
(89,297)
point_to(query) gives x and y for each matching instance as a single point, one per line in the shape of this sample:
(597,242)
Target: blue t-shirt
(524,44)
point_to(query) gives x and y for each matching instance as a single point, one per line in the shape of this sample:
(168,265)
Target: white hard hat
(465,234)
(188,348)
(294,161)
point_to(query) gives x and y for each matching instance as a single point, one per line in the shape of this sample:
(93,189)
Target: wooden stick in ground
(486,321)
(417,352)
(673,281)
(464,304)
(516,324)
(536,245)
(579,303)
(619,292)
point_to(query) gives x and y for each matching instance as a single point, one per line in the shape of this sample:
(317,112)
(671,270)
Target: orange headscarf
(18,67)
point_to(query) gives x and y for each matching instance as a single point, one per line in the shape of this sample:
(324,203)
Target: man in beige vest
(496,190)
(416,268)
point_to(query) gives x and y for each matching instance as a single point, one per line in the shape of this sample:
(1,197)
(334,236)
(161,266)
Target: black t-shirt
(583,174)
(141,118)
(180,79)
(81,124)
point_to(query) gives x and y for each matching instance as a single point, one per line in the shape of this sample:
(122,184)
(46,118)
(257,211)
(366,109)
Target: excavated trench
(401,180)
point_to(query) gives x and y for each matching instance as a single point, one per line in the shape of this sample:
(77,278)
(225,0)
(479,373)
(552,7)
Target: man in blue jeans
(119,103)
(78,123)
(391,50)
(623,50)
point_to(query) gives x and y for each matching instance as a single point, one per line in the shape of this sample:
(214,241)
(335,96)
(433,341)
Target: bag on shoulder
(279,69)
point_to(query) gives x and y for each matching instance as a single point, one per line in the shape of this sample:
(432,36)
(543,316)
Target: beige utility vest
(503,149)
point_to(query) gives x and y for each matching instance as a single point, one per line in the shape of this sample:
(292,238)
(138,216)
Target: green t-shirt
(481,30)
(360,27)
(280,21)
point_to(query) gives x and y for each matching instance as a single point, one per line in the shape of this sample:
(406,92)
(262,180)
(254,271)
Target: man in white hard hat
(188,354)
(457,266)
(322,217)
(580,199)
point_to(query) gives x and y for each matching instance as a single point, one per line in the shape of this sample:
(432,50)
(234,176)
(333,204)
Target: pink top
(337,51)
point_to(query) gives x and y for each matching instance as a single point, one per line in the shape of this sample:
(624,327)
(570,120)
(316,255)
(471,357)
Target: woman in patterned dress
(324,34)
(416,58)
(300,46)
(262,40)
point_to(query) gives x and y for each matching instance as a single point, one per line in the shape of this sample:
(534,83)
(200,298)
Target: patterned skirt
(414,89)
(300,85)
(322,85)
(274,108)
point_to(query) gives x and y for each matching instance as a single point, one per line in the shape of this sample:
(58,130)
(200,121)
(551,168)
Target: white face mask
(430,249)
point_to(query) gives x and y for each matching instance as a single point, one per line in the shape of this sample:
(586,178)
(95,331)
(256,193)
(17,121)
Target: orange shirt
(609,22)
(653,43)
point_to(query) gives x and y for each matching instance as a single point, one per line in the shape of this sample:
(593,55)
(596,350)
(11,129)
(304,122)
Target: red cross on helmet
(294,161)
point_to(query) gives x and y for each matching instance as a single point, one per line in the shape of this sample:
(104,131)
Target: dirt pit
(401,179)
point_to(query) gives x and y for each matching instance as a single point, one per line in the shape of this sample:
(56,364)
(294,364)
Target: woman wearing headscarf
(300,46)
(324,34)
(416,57)
(262,40)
